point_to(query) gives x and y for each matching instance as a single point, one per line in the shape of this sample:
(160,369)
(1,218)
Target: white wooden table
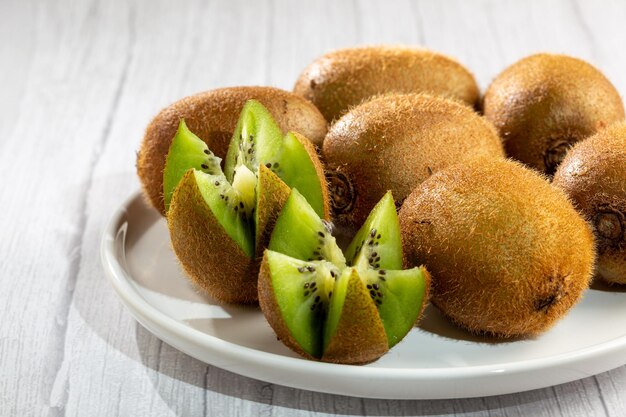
(79,81)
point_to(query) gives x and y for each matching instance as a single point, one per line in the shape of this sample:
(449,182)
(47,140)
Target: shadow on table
(164,360)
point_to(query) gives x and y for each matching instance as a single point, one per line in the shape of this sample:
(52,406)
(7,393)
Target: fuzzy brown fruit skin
(508,253)
(360,335)
(212,116)
(593,174)
(395,142)
(344,78)
(543,104)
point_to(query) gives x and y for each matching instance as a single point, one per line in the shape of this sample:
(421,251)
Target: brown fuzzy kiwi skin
(593,174)
(395,142)
(212,260)
(271,311)
(212,116)
(270,202)
(360,335)
(344,78)
(508,253)
(544,103)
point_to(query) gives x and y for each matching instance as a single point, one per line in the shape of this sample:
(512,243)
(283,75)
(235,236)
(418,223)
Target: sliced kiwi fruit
(220,222)
(593,174)
(326,308)
(395,142)
(342,79)
(508,252)
(212,116)
(545,103)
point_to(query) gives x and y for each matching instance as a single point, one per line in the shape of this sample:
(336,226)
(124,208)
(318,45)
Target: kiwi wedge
(545,103)
(220,222)
(326,307)
(212,116)
(395,142)
(593,174)
(508,252)
(344,78)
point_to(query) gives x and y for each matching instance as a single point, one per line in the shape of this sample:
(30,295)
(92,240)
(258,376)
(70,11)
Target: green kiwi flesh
(257,140)
(318,305)
(186,151)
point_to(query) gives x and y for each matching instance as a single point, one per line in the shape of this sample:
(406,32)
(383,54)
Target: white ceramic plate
(435,360)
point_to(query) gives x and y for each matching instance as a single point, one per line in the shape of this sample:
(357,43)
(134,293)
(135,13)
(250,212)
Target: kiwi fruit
(508,252)
(545,103)
(212,116)
(593,174)
(394,142)
(344,78)
(220,222)
(326,307)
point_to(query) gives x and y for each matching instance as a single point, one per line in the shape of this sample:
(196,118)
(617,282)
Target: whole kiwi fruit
(213,115)
(344,78)
(508,253)
(593,174)
(394,142)
(543,104)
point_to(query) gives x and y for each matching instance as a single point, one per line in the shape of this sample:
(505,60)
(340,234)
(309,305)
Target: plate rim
(121,279)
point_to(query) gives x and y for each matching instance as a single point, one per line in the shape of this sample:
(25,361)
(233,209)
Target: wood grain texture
(81,80)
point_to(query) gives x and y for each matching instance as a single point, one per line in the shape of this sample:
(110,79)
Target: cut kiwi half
(220,221)
(328,308)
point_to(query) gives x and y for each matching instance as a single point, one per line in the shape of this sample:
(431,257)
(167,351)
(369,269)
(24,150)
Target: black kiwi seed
(379,302)
(204,166)
(373,233)
(313,284)
(332,274)
(222,196)
(313,307)
(380,294)
(369,287)
(317,298)
(311,269)
(217,183)
(382,272)
(275,164)
(206,151)
(330,294)
(321,234)
(301,269)
(225,198)
(373,293)
(313,289)
(268,165)
(374,254)
(306,293)
(376,287)
(378,237)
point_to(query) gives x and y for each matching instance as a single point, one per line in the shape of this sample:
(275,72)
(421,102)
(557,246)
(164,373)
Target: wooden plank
(86,79)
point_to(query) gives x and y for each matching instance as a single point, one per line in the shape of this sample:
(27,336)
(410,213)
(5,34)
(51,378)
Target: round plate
(435,360)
